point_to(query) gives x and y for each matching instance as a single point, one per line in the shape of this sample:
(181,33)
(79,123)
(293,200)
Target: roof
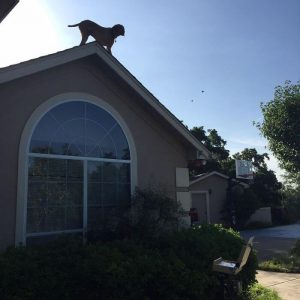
(215,173)
(5,7)
(52,60)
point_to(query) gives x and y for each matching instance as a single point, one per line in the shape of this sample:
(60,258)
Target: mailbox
(233,267)
(227,269)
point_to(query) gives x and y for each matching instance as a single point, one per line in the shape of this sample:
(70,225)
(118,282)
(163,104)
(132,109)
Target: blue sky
(237,51)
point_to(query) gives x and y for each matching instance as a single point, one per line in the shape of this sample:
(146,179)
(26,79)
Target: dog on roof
(105,36)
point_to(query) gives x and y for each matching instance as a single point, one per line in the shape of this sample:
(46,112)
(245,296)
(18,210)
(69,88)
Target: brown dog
(104,36)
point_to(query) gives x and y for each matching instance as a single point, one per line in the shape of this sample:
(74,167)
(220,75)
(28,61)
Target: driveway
(274,241)
(287,285)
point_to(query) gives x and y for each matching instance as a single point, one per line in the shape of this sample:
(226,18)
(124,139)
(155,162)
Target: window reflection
(60,187)
(80,129)
(54,195)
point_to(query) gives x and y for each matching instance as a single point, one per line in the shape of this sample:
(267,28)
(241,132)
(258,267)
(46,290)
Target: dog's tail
(75,25)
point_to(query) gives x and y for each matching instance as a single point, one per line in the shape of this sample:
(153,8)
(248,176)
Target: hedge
(175,266)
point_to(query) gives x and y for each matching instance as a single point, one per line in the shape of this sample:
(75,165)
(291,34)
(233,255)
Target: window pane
(98,141)
(74,218)
(121,143)
(95,194)
(124,195)
(75,193)
(123,173)
(68,111)
(55,196)
(100,116)
(80,129)
(109,197)
(42,135)
(56,186)
(37,194)
(95,218)
(110,172)
(56,169)
(38,168)
(74,170)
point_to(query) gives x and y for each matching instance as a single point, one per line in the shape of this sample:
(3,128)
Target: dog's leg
(83,39)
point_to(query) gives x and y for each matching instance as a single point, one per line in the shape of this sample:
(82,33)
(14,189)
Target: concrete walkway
(274,242)
(286,284)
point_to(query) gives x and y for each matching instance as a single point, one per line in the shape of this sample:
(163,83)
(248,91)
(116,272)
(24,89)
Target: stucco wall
(216,186)
(158,150)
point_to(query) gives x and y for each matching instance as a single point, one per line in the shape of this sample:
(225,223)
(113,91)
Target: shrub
(258,292)
(153,214)
(296,249)
(177,265)
(199,246)
(41,272)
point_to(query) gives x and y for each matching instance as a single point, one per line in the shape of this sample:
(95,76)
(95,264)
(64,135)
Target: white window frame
(24,154)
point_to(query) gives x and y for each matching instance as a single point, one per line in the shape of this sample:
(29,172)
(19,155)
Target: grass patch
(286,263)
(258,292)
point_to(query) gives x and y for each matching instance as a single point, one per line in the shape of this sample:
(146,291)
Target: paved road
(274,241)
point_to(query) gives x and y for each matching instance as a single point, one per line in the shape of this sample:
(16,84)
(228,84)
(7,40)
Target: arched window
(79,168)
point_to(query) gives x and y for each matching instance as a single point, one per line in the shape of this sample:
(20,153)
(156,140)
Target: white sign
(244,169)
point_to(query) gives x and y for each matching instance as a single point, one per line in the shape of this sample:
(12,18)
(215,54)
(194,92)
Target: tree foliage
(212,141)
(265,186)
(251,154)
(281,125)
(215,144)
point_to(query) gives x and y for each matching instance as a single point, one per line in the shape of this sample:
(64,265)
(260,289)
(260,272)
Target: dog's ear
(118,30)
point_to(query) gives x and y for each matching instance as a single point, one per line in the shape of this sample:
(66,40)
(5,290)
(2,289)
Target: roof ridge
(3,69)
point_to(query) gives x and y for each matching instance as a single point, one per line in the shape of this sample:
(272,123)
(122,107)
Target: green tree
(215,144)
(265,184)
(212,141)
(291,201)
(251,154)
(281,125)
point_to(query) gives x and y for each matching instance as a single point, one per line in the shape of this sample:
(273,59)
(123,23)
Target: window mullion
(85,199)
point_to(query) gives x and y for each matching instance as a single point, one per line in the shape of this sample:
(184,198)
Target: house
(78,134)
(209,194)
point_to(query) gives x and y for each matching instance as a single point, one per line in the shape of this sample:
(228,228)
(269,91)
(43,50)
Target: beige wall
(217,187)
(158,150)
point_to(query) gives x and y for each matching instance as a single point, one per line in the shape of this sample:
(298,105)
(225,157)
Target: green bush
(258,292)
(296,249)
(40,272)
(153,214)
(199,246)
(177,265)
